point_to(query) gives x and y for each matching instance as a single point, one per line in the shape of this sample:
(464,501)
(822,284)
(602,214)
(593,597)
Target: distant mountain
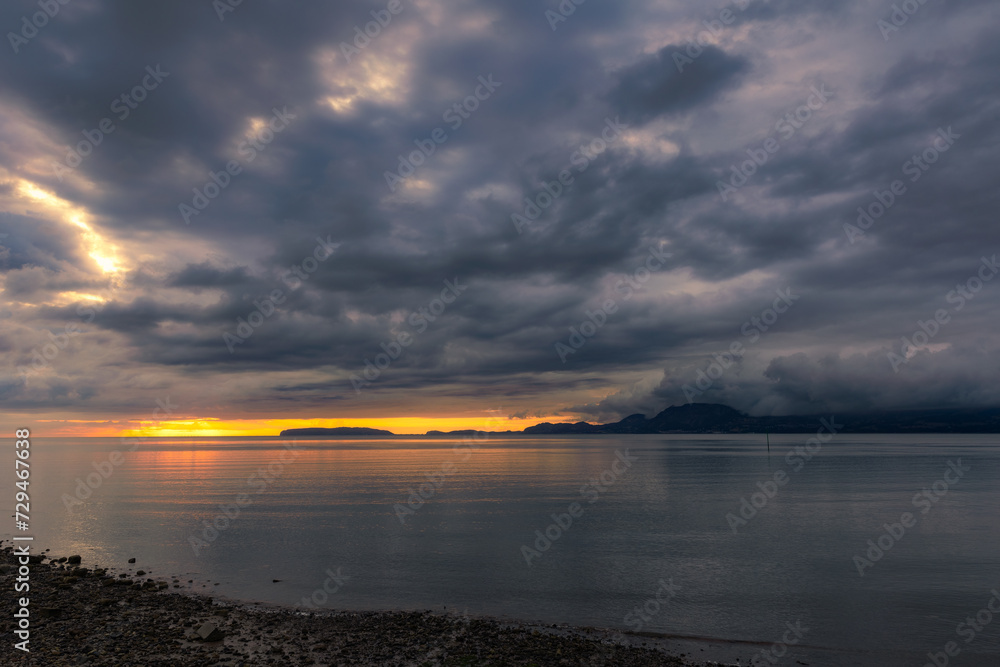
(545,428)
(468,432)
(715,418)
(694,418)
(340,430)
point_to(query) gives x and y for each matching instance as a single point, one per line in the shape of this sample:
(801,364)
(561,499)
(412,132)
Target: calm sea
(650,546)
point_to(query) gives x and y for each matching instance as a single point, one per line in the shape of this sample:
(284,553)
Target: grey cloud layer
(323,177)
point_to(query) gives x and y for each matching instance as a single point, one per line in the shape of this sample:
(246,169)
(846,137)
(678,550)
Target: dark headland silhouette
(340,430)
(715,418)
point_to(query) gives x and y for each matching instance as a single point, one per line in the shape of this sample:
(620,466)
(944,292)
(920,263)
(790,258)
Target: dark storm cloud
(776,10)
(206,275)
(31,243)
(659,85)
(800,383)
(323,178)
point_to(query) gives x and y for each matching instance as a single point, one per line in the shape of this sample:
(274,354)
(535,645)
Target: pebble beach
(87,615)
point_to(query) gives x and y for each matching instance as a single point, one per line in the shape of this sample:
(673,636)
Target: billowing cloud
(253,210)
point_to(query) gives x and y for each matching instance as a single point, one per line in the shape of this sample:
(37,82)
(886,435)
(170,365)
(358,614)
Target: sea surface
(651,535)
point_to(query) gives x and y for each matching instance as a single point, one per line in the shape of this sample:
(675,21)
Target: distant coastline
(698,418)
(340,430)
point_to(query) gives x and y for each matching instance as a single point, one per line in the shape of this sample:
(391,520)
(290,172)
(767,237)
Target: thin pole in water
(768,436)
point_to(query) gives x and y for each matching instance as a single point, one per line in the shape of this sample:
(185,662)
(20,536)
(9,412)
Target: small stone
(131,560)
(209,632)
(139,573)
(73,560)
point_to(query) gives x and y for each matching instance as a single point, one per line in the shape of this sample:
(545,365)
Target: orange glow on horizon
(211,427)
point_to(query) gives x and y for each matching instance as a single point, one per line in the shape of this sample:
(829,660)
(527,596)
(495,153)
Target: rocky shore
(95,616)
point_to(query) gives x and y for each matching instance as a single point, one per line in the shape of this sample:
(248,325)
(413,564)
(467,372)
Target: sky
(414,214)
